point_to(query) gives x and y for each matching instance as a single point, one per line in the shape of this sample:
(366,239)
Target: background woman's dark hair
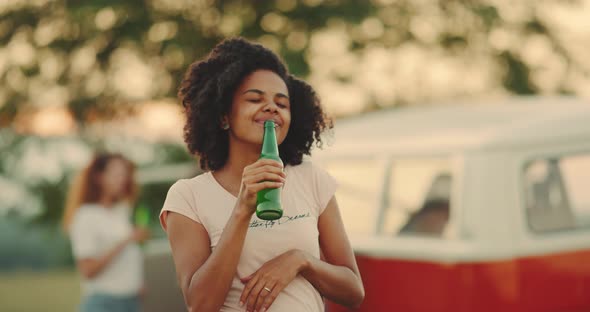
(207,92)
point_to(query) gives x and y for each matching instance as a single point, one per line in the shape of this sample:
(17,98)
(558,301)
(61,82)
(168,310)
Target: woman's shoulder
(184,195)
(88,213)
(187,188)
(305,168)
(191,183)
(90,209)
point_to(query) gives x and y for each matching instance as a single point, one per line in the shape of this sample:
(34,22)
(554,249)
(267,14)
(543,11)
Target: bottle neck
(269,141)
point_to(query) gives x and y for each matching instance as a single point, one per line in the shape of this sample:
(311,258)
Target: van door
(397,212)
(554,254)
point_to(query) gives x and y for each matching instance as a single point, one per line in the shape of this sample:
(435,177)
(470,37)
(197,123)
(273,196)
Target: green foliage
(32,246)
(34,177)
(35,172)
(517,77)
(88,37)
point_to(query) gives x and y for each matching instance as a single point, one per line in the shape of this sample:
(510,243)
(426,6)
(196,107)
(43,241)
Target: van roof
(474,125)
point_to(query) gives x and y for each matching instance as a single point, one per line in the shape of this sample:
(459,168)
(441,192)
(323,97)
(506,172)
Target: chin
(251,139)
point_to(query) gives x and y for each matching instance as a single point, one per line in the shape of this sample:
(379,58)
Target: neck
(106,201)
(240,155)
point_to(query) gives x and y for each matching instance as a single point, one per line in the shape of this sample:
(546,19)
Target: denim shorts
(110,303)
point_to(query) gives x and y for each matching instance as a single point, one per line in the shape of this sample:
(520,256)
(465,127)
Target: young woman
(104,242)
(226,258)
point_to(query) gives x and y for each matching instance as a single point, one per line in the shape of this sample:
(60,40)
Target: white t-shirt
(95,230)
(304,197)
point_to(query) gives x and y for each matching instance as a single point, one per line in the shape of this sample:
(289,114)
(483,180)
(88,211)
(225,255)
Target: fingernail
(241,303)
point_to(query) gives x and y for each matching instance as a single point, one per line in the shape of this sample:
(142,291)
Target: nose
(271,107)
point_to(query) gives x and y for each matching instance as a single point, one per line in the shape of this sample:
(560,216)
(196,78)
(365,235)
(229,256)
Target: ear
(224,123)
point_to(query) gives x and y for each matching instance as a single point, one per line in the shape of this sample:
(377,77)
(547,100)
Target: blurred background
(77,76)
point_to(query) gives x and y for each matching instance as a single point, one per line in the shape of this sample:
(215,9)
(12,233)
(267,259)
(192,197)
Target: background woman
(104,242)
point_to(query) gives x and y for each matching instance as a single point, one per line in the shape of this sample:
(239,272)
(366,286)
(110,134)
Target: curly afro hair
(207,91)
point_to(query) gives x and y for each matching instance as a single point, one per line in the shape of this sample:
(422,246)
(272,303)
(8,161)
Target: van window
(418,198)
(360,183)
(556,195)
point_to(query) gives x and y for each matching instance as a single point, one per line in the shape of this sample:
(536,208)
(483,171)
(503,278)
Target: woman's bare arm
(91,267)
(337,278)
(335,275)
(205,277)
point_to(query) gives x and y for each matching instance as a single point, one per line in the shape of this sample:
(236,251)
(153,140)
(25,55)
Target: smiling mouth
(261,122)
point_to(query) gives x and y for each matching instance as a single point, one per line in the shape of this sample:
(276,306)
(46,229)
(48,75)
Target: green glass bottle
(142,216)
(268,201)
(142,219)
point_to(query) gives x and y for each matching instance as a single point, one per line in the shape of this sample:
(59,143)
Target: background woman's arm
(90,267)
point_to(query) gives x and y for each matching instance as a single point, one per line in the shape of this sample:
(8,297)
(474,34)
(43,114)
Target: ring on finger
(267,289)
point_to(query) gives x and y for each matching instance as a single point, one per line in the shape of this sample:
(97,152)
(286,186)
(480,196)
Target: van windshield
(395,197)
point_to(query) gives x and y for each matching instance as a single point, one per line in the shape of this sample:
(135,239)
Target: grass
(39,291)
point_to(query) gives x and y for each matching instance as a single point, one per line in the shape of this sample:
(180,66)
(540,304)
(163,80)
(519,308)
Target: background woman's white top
(94,231)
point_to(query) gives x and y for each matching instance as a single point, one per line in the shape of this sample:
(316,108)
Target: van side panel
(393,285)
(496,286)
(402,285)
(558,282)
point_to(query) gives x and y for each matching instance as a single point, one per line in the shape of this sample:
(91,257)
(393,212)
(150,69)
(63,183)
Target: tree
(105,57)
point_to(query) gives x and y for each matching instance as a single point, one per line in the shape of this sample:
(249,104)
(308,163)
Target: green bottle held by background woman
(142,216)
(268,201)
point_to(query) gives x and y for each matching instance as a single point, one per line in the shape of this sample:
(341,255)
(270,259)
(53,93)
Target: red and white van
(473,207)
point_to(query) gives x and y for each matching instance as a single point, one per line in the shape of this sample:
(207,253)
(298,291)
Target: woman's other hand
(263,286)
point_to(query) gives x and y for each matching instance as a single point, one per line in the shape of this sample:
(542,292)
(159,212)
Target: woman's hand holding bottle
(140,234)
(263,174)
